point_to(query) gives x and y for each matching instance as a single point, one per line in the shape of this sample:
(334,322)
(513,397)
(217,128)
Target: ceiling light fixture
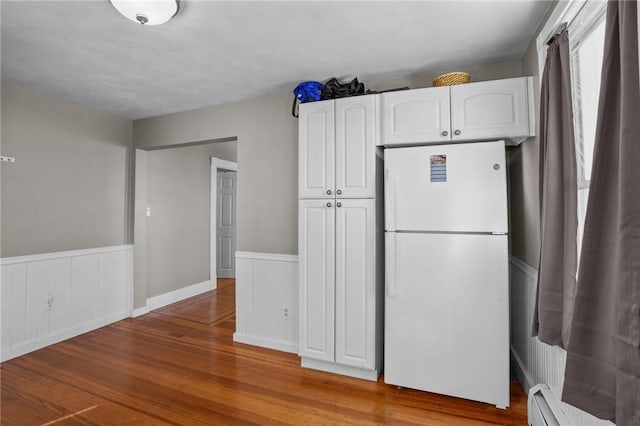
(147,12)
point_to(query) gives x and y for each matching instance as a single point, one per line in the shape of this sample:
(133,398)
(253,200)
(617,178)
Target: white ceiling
(216,52)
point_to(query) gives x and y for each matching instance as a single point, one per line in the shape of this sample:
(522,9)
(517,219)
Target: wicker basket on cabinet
(452,78)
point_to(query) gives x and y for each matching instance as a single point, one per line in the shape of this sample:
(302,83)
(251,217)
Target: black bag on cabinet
(333,89)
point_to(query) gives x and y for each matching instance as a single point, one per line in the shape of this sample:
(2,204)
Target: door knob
(339,204)
(445,133)
(338,192)
(457,132)
(328,192)
(328,204)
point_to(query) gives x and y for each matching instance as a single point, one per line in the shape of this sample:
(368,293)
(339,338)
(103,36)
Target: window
(586,25)
(586,51)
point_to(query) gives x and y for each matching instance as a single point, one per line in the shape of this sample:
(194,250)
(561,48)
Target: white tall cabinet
(340,238)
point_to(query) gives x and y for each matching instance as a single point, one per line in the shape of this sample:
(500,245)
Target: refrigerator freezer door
(448,188)
(447,316)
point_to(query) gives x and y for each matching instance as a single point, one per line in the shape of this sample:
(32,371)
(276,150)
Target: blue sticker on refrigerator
(438,168)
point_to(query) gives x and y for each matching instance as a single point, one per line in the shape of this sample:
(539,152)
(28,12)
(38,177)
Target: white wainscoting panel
(86,284)
(14,298)
(536,362)
(48,278)
(47,298)
(266,285)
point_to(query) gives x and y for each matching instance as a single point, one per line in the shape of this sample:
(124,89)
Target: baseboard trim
(174,296)
(138,312)
(34,345)
(523,375)
(329,367)
(266,343)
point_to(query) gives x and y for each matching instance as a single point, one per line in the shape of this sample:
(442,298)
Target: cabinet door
(316,219)
(490,109)
(355,283)
(316,150)
(412,116)
(355,147)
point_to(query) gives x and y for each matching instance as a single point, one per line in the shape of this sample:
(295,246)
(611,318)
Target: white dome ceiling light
(147,12)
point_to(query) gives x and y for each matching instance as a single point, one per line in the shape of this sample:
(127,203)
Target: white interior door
(226,224)
(455,187)
(447,315)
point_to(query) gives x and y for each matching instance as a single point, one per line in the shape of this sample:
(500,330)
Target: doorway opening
(172,212)
(223,219)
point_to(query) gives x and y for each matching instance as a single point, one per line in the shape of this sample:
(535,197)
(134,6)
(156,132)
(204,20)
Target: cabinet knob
(457,132)
(339,204)
(328,204)
(338,192)
(445,133)
(328,192)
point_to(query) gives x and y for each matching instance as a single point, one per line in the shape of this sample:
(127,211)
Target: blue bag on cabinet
(307,91)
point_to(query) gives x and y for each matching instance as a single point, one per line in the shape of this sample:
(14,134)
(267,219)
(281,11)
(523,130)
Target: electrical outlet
(49,302)
(285,313)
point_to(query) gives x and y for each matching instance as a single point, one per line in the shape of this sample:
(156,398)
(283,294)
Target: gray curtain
(558,197)
(603,355)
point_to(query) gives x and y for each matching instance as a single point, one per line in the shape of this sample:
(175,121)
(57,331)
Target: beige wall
(177,232)
(477,72)
(267,150)
(523,174)
(268,154)
(68,188)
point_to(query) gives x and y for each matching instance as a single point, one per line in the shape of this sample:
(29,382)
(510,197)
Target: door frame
(216,164)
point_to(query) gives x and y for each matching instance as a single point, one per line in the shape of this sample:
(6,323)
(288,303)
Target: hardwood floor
(179,365)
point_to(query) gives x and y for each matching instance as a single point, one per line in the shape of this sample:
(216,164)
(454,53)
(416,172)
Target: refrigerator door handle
(390,269)
(390,199)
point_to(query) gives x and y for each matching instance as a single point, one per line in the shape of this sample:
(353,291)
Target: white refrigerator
(446,255)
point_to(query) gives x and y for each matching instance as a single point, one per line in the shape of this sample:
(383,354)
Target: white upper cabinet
(337,148)
(316,150)
(355,147)
(490,109)
(498,109)
(416,115)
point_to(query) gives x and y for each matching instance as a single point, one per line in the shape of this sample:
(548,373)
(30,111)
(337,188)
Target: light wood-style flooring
(179,366)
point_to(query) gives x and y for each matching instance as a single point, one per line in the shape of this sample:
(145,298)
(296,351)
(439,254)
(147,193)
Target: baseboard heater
(544,408)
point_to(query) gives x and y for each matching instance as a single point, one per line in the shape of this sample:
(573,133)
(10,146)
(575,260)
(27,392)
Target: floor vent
(544,408)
